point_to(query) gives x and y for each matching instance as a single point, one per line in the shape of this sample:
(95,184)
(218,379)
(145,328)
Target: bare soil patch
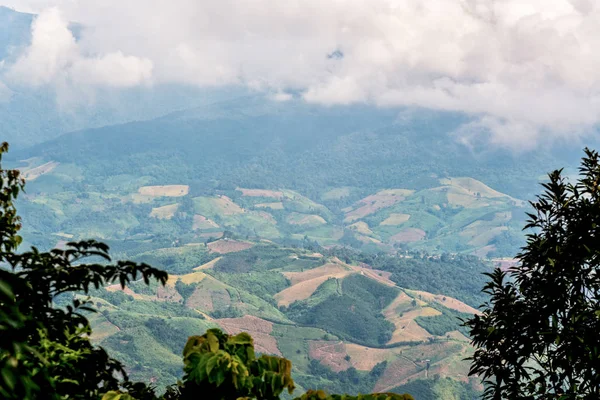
(227,206)
(225,246)
(402,314)
(329,353)
(164,191)
(473,187)
(266,216)
(396,373)
(327,270)
(305,219)
(375,274)
(408,235)
(361,227)
(375,202)
(258,328)
(201,222)
(168,293)
(164,212)
(261,193)
(200,299)
(365,358)
(484,251)
(396,219)
(34,173)
(505,263)
(445,301)
(273,206)
(305,283)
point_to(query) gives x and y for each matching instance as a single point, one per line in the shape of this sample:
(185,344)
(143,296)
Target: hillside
(254,142)
(374,179)
(346,327)
(458,215)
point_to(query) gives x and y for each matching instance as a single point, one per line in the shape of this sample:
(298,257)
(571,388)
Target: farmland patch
(258,328)
(261,193)
(408,235)
(201,222)
(164,212)
(373,203)
(32,174)
(164,191)
(273,206)
(396,219)
(224,246)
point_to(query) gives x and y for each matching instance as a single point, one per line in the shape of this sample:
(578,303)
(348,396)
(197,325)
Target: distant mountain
(15,32)
(255,142)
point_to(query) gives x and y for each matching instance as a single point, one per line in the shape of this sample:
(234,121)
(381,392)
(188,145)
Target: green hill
(354,329)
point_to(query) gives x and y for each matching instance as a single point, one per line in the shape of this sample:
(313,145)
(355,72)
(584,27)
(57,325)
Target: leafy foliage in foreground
(46,351)
(538,336)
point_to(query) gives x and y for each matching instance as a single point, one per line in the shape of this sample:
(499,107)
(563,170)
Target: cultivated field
(224,246)
(329,353)
(402,314)
(258,328)
(164,212)
(473,187)
(375,274)
(261,193)
(408,235)
(34,173)
(164,191)
(305,219)
(445,301)
(361,227)
(304,284)
(201,222)
(273,206)
(396,219)
(375,202)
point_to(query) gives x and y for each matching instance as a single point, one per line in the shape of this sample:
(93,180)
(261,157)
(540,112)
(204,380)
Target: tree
(45,350)
(537,337)
(227,367)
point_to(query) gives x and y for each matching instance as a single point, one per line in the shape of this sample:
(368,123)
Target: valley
(358,275)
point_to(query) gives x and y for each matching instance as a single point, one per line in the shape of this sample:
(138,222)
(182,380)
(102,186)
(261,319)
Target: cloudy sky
(526,69)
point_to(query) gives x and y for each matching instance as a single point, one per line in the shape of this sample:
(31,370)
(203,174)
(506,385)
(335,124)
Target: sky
(526,70)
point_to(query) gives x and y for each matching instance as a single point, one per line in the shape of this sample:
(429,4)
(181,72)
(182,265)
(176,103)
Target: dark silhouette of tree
(538,336)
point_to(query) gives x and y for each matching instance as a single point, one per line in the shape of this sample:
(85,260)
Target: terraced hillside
(345,326)
(459,215)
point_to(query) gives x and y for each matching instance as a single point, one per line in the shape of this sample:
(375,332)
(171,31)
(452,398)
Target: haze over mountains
(345,237)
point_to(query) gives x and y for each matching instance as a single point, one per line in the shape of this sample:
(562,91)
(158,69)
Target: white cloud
(281,96)
(528,69)
(54,57)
